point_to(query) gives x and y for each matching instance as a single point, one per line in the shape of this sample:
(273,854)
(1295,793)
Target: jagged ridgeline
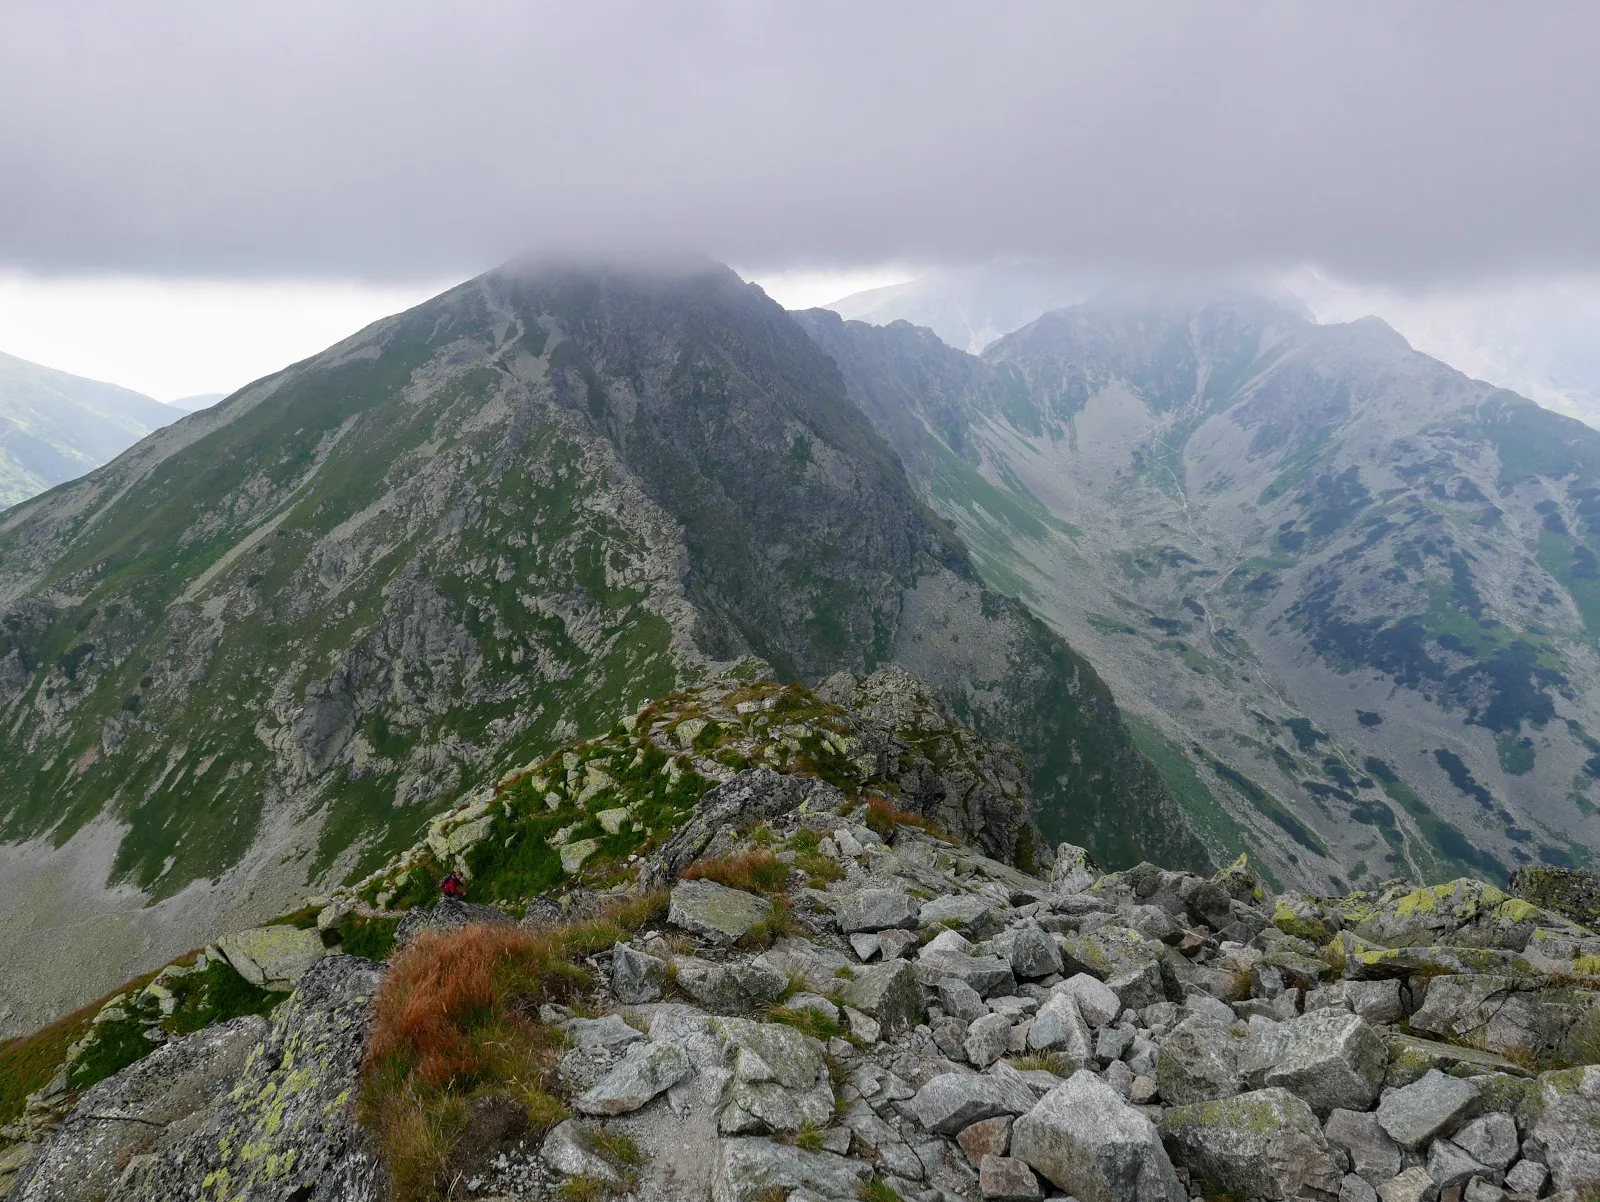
(263,644)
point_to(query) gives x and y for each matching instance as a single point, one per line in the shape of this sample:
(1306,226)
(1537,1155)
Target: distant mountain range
(1346,596)
(55,426)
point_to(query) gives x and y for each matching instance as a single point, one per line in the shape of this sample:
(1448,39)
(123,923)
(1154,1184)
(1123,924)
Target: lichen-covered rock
(1085,1139)
(1513,1015)
(570,1148)
(715,912)
(1264,1144)
(274,957)
(752,1169)
(1462,913)
(989,975)
(1573,892)
(446,914)
(126,1116)
(1564,1119)
(1074,870)
(889,993)
(287,1127)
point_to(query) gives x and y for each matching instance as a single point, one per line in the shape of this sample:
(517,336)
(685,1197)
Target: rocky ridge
(819,996)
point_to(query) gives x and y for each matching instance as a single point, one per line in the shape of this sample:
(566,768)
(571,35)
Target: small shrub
(756,871)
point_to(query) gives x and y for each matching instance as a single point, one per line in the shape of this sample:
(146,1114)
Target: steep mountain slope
(54,426)
(1347,595)
(258,648)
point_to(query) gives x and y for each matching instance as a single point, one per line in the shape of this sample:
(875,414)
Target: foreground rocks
(905,1014)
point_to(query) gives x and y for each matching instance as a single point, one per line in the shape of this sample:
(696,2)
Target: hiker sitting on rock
(453,886)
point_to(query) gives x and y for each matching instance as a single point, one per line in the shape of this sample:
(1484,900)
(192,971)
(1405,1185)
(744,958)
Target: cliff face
(258,648)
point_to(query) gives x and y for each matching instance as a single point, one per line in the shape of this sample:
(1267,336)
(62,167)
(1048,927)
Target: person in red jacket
(453,886)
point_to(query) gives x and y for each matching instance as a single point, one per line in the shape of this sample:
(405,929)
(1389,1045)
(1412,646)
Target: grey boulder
(1429,1107)
(644,1071)
(715,912)
(1266,1144)
(1330,1059)
(872,910)
(1085,1139)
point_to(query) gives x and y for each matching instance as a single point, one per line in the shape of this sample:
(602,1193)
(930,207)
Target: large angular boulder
(636,977)
(1374,1156)
(715,912)
(1058,1027)
(1074,870)
(1034,954)
(989,975)
(780,1078)
(1097,1002)
(889,993)
(1085,1139)
(876,910)
(752,1169)
(644,1071)
(1198,1062)
(978,916)
(1331,1060)
(1573,892)
(570,1148)
(1464,913)
(951,1102)
(1564,1118)
(1519,1016)
(1430,1107)
(124,1115)
(734,988)
(274,957)
(1264,1144)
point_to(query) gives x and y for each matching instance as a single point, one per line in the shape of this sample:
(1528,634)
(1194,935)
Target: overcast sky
(391,144)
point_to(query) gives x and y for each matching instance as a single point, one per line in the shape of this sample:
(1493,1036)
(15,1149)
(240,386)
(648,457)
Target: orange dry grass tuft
(756,871)
(882,819)
(455,1018)
(443,985)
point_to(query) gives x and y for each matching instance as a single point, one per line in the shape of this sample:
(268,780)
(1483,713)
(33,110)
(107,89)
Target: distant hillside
(55,427)
(201,400)
(1346,595)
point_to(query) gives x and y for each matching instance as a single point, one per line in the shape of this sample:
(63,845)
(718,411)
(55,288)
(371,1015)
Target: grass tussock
(1050,1062)
(456,1019)
(882,819)
(757,871)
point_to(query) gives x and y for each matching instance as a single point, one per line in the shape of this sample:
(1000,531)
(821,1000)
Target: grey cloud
(387,138)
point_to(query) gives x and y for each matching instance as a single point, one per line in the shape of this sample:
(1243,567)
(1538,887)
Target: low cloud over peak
(400,139)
